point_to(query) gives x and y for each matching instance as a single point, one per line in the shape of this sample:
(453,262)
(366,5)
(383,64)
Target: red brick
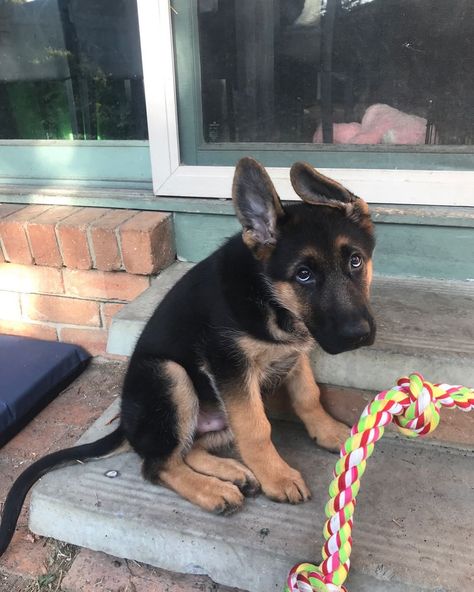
(10,306)
(30,279)
(109,309)
(104,285)
(106,251)
(7,209)
(26,555)
(74,242)
(93,340)
(60,309)
(92,570)
(13,234)
(42,234)
(28,330)
(147,242)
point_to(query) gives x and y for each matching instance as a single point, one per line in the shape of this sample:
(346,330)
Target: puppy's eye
(355,261)
(304,275)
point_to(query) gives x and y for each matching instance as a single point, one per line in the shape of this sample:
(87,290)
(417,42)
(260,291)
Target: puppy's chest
(271,363)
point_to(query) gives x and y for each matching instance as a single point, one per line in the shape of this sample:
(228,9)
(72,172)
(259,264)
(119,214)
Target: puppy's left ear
(315,188)
(257,206)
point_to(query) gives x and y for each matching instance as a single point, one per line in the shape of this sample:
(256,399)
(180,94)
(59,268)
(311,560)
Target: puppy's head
(316,255)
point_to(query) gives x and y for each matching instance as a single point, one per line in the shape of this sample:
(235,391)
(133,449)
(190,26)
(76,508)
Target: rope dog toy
(413,405)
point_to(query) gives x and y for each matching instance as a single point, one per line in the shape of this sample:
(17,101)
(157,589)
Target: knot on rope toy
(413,405)
(420,409)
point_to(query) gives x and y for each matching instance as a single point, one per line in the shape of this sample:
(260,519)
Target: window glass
(345,72)
(71,69)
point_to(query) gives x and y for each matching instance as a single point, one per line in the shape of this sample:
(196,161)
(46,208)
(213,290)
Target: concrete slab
(423,325)
(414,526)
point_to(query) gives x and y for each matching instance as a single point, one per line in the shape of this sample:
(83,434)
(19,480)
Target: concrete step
(413,524)
(423,325)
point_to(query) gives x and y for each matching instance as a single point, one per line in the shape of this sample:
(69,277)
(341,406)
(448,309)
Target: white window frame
(171,178)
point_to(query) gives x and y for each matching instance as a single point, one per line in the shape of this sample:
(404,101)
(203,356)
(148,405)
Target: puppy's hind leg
(227,469)
(170,469)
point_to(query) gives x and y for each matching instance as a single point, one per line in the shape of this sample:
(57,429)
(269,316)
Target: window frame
(172,178)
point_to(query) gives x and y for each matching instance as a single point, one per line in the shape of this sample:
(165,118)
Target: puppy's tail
(16,495)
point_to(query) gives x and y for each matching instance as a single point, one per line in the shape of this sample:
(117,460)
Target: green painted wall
(443,252)
(100,163)
(426,251)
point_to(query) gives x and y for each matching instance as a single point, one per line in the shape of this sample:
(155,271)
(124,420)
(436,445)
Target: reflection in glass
(70,69)
(337,71)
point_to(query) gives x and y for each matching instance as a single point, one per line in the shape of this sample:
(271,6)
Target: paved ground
(35,564)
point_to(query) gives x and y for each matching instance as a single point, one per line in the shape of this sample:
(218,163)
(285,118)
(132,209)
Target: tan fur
(261,355)
(252,433)
(227,469)
(360,214)
(216,440)
(369,274)
(305,397)
(287,297)
(341,241)
(311,253)
(187,404)
(210,493)
(261,252)
(362,206)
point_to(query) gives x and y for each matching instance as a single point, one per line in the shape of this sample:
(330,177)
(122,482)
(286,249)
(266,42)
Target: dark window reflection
(71,69)
(338,71)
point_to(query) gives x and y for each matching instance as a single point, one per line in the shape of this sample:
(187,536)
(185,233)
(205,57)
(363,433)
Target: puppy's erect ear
(257,206)
(315,188)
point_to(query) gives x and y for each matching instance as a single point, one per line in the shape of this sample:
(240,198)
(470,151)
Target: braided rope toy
(413,405)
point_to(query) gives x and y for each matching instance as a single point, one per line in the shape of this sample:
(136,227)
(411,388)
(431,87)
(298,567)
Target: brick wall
(65,271)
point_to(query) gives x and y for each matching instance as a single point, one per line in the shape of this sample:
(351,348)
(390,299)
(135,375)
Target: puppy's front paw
(331,434)
(286,486)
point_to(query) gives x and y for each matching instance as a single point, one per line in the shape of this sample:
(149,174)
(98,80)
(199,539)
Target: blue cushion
(32,373)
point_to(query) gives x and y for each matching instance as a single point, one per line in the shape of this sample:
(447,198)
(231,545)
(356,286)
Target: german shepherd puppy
(237,326)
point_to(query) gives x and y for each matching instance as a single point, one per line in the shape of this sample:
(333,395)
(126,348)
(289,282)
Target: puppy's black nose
(356,331)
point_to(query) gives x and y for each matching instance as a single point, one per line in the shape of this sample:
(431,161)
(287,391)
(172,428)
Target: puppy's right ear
(257,206)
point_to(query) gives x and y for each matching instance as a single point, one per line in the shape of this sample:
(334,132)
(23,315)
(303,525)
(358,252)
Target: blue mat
(32,373)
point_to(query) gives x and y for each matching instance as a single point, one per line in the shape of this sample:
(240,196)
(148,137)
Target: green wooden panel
(197,235)
(441,252)
(426,251)
(99,162)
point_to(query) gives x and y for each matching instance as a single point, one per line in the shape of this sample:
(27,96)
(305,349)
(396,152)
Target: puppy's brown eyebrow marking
(342,240)
(311,253)
(344,245)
